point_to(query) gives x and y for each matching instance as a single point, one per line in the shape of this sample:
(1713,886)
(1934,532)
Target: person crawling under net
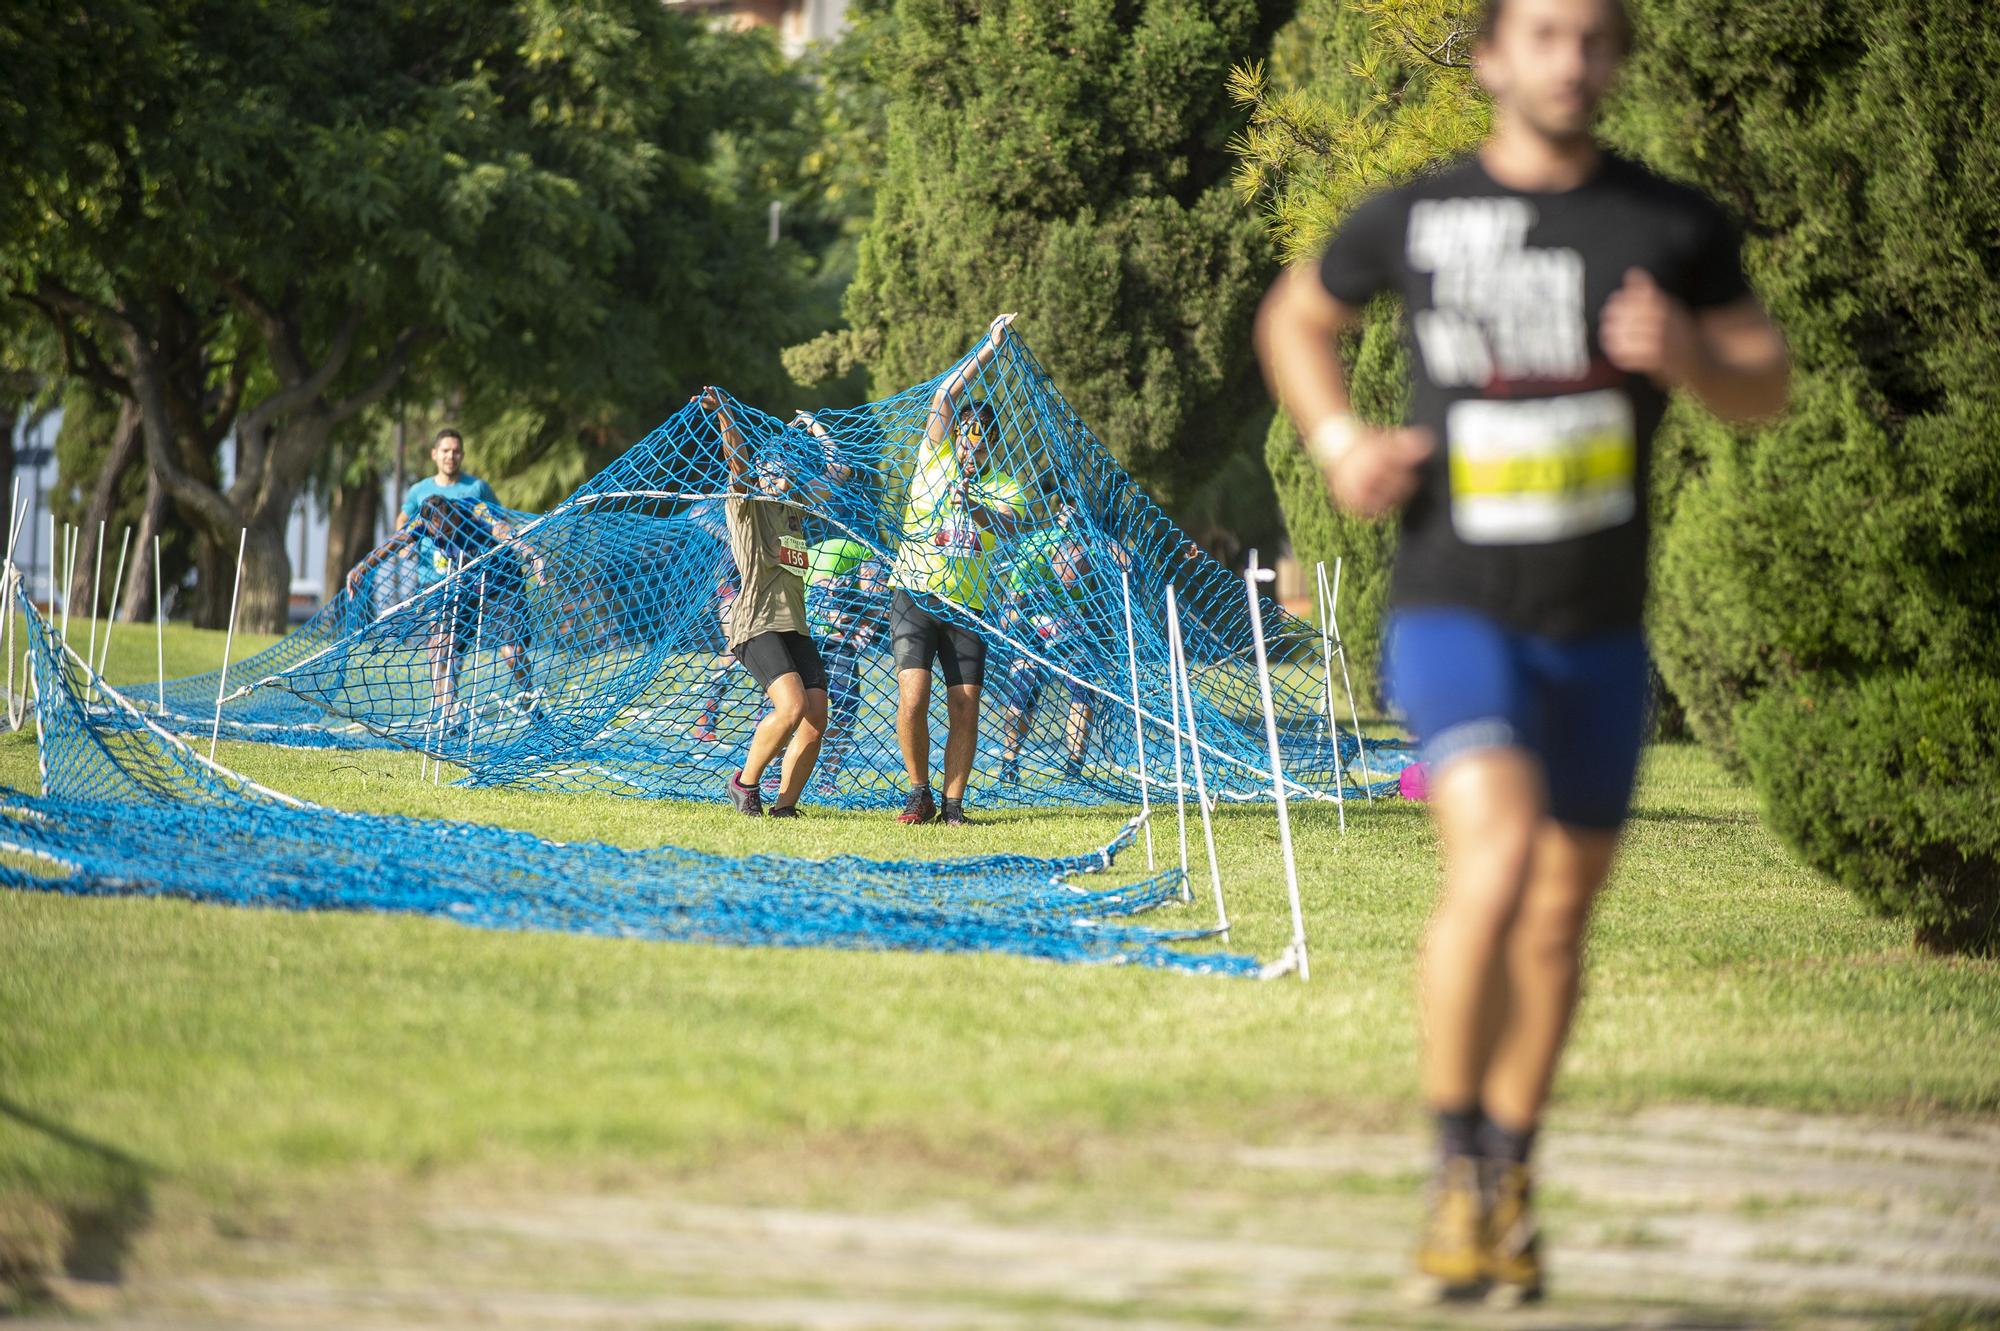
(767,621)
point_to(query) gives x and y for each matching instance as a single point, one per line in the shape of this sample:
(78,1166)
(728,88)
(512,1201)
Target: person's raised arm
(732,439)
(1367,470)
(405,536)
(944,402)
(1732,357)
(835,470)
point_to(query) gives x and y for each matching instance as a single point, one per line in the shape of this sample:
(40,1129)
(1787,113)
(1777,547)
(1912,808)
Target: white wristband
(1333,438)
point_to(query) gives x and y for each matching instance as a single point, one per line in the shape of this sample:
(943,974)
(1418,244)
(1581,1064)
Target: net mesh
(585,649)
(129,809)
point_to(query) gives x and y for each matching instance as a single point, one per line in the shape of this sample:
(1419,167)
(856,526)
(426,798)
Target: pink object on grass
(1413,783)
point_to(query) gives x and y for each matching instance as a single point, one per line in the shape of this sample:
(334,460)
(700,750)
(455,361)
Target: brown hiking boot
(1512,1249)
(1450,1261)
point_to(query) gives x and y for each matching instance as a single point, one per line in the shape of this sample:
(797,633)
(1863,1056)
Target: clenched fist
(1379,472)
(1646,331)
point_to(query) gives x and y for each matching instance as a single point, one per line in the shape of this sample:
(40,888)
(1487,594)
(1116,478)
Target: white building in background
(798,22)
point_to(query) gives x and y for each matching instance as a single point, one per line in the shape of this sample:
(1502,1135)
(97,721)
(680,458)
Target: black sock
(1458,1132)
(953,806)
(1508,1146)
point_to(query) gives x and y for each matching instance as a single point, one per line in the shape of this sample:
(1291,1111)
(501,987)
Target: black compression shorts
(769,657)
(921,638)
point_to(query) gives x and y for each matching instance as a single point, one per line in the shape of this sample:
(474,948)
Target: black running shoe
(747,799)
(782,811)
(954,813)
(918,808)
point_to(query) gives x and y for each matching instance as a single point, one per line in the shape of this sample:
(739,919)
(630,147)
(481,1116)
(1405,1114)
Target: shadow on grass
(99,1223)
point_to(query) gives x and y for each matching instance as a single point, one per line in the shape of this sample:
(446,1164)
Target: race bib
(961,535)
(1527,473)
(793,556)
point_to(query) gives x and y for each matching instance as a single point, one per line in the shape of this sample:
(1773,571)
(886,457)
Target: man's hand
(708,399)
(354,576)
(1379,472)
(997,330)
(1646,331)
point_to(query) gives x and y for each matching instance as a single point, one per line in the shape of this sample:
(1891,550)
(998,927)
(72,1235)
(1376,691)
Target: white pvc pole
(1340,650)
(1180,779)
(1186,686)
(53,561)
(478,634)
(17,518)
(159,626)
(111,613)
(96,582)
(1332,721)
(1251,577)
(1138,719)
(228,638)
(69,575)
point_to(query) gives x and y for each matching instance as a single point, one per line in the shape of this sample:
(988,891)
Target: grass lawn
(243,1055)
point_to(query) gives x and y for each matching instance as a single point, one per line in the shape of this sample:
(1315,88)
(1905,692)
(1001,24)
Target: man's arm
(1731,357)
(404,537)
(944,402)
(1366,470)
(835,471)
(732,439)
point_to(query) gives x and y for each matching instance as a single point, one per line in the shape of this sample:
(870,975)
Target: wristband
(1333,438)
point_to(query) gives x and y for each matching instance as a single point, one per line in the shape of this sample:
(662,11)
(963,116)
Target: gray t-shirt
(768,540)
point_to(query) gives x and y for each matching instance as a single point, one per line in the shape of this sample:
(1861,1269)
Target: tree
(1069,161)
(268,216)
(1356,98)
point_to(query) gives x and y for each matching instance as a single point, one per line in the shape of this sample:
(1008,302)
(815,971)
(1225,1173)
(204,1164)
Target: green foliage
(1069,162)
(1860,534)
(1852,550)
(1887,786)
(83,441)
(1358,97)
(1367,95)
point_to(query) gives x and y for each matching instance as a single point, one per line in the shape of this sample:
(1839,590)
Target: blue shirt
(467,489)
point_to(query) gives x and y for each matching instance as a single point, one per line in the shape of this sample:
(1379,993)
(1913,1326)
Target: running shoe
(918,808)
(782,811)
(1450,1257)
(954,813)
(1513,1256)
(704,729)
(747,799)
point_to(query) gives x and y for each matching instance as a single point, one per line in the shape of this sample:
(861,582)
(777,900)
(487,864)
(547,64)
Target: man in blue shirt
(449,519)
(451,482)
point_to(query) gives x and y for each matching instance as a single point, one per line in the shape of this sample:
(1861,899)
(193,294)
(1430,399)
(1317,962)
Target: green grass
(240,1053)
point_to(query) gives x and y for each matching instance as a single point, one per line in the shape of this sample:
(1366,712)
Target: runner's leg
(788,706)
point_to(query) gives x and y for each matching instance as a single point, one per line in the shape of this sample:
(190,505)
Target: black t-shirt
(1533,508)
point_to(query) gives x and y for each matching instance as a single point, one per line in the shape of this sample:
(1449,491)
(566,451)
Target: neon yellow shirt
(944,550)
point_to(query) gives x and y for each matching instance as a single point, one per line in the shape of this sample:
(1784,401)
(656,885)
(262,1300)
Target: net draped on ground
(130,810)
(583,649)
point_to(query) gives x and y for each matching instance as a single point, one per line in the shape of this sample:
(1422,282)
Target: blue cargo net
(584,649)
(131,810)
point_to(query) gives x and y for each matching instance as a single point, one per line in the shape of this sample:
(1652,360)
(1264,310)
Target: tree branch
(391,370)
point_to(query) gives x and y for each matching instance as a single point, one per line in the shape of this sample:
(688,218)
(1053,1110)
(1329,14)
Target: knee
(788,711)
(963,708)
(815,711)
(1551,925)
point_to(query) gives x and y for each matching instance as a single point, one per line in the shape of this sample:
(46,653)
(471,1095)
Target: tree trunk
(10,421)
(351,529)
(126,445)
(266,602)
(139,582)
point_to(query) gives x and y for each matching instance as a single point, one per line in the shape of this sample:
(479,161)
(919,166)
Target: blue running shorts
(1466,682)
